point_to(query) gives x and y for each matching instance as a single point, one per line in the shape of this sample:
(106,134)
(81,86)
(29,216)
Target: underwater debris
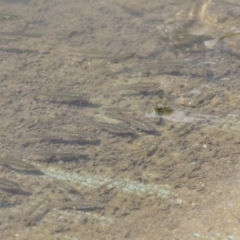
(163,110)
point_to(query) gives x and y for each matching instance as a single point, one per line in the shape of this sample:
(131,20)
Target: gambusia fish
(118,59)
(8,185)
(18,164)
(110,127)
(68,136)
(73,96)
(146,150)
(156,68)
(229,35)
(118,109)
(66,186)
(185,38)
(78,205)
(6,16)
(134,122)
(16,36)
(139,87)
(52,153)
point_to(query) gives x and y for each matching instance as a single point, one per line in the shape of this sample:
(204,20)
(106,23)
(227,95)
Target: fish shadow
(17,191)
(78,103)
(67,159)
(26,172)
(75,142)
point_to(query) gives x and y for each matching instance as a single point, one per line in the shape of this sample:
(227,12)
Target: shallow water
(174,174)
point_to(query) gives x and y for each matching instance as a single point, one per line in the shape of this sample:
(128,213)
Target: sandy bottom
(178,181)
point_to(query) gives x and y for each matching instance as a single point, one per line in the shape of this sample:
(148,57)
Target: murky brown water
(119,119)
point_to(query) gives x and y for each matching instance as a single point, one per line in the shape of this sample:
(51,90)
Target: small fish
(89,53)
(46,120)
(47,135)
(67,136)
(229,35)
(157,68)
(118,109)
(110,127)
(232,4)
(185,38)
(8,185)
(118,59)
(129,10)
(9,37)
(16,36)
(134,122)
(78,205)
(52,153)
(66,186)
(104,186)
(164,64)
(139,87)
(17,164)
(35,207)
(146,150)
(196,100)
(5,16)
(72,96)
(19,50)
